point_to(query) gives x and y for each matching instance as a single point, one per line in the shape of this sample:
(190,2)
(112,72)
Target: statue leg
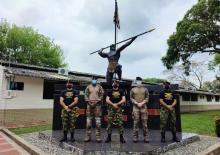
(109,77)
(118,70)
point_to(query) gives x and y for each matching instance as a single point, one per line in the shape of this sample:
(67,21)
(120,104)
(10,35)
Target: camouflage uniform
(166,115)
(115,118)
(140,94)
(93,93)
(168,97)
(69,119)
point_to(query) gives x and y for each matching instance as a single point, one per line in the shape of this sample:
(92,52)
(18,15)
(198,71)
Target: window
(209,98)
(194,97)
(16,85)
(216,98)
(185,97)
(202,96)
(49,88)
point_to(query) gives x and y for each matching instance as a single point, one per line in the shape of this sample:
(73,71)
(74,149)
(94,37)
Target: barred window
(194,97)
(209,98)
(185,97)
(216,98)
(16,85)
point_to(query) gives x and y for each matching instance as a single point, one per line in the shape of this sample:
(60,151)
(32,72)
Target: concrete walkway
(9,147)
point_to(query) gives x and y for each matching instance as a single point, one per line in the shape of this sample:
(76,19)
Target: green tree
(212,86)
(197,32)
(154,80)
(196,77)
(25,45)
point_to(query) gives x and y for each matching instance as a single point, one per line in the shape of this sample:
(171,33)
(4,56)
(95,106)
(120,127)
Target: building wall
(29,98)
(201,105)
(1,85)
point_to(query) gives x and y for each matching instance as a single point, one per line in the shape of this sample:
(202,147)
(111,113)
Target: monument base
(115,147)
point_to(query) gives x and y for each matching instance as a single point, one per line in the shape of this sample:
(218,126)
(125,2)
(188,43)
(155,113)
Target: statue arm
(104,55)
(125,45)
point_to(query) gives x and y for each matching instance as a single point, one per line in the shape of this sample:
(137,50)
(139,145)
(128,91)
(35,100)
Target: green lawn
(201,122)
(19,131)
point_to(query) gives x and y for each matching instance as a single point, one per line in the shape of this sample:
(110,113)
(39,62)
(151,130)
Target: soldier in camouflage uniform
(167,112)
(68,101)
(139,97)
(93,96)
(115,98)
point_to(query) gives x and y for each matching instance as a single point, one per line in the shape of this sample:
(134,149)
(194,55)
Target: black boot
(163,137)
(122,140)
(64,136)
(109,138)
(72,139)
(175,139)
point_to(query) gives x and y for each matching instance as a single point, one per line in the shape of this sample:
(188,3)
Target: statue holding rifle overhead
(113,57)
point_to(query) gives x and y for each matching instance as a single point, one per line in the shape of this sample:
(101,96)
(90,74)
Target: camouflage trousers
(167,117)
(69,119)
(140,114)
(93,113)
(115,118)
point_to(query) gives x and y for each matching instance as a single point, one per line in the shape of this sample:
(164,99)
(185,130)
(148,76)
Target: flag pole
(115,24)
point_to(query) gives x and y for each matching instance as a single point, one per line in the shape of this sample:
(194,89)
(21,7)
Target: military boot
(72,139)
(88,137)
(135,138)
(109,138)
(122,140)
(163,137)
(64,139)
(146,139)
(146,136)
(175,139)
(98,136)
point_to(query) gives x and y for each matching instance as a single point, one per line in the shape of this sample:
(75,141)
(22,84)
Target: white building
(198,100)
(31,87)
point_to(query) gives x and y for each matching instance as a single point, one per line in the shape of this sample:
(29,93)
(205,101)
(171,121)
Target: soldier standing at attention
(167,111)
(139,97)
(93,96)
(68,101)
(115,98)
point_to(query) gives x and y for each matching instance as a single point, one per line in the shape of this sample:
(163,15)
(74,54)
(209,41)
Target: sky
(84,26)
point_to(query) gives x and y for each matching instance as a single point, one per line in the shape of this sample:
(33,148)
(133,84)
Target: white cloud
(82,26)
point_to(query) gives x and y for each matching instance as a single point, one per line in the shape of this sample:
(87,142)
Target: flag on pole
(116,16)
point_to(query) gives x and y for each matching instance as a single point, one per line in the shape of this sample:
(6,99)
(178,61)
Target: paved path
(9,147)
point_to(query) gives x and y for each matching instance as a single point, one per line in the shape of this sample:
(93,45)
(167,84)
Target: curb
(21,142)
(212,150)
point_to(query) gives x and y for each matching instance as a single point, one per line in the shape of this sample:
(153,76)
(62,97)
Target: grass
(20,131)
(200,122)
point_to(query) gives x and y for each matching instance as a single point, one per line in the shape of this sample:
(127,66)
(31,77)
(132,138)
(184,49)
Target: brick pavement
(9,147)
